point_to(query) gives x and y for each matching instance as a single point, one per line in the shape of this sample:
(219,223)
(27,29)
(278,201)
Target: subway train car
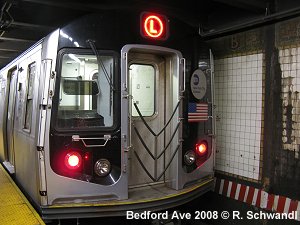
(113,112)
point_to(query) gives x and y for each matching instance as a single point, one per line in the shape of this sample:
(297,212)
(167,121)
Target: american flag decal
(197,112)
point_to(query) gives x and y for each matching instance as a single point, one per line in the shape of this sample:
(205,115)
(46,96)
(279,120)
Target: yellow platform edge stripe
(36,215)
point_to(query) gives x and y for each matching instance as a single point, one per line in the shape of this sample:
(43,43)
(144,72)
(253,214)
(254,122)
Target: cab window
(85,94)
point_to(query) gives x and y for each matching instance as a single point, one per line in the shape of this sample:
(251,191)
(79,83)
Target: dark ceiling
(23,22)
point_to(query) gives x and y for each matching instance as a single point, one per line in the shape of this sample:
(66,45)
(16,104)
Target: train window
(142,80)
(29,106)
(86,95)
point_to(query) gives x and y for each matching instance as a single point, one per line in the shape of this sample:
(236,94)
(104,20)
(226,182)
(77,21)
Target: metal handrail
(184,74)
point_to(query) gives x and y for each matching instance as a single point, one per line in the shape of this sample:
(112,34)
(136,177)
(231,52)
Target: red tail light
(73,160)
(86,156)
(201,148)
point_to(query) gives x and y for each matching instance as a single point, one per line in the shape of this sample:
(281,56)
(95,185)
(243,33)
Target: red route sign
(154,26)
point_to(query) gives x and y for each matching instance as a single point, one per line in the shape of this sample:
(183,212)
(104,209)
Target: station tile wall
(239,105)
(289,59)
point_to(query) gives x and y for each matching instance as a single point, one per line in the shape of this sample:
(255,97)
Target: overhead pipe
(258,22)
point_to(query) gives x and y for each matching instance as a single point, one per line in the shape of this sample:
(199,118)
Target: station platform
(14,207)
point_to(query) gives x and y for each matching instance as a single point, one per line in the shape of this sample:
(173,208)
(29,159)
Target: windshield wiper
(100,63)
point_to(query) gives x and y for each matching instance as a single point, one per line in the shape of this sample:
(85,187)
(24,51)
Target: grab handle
(182,60)
(106,137)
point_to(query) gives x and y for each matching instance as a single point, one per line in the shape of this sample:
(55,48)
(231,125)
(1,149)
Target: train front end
(130,122)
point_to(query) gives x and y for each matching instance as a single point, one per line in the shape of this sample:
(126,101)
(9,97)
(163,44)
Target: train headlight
(102,167)
(189,158)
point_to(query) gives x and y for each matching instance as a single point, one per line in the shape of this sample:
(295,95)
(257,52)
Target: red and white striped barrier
(257,197)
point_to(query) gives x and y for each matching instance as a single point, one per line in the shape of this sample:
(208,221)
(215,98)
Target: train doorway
(155,85)
(10,155)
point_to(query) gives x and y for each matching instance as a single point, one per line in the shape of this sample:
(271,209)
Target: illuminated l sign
(154,26)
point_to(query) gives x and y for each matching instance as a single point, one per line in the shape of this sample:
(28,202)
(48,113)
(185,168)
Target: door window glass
(28,109)
(142,80)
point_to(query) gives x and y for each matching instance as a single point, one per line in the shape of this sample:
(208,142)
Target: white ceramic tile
(239,96)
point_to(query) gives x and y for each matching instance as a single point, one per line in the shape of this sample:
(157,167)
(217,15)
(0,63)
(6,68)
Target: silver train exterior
(97,119)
